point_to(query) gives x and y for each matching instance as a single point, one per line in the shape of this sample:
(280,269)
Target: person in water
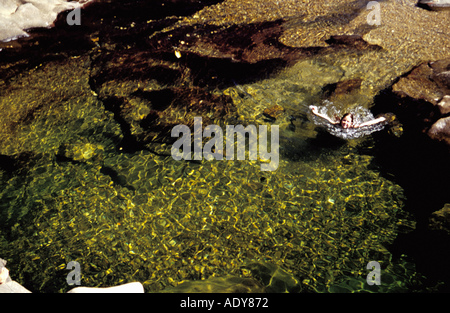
(347,120)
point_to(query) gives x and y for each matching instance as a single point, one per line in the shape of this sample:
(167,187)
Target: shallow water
(165,221)
(78,194)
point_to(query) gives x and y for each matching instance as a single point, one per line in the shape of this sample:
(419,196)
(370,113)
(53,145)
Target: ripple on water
(317,221)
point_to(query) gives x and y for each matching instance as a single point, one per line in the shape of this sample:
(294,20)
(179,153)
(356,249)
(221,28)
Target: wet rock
(112,71)
(147,116)
(183,105)
(441,130)
(440,220)
(418,85)
(424,91)
(441,74)
(82,151)
(444,105)
(435,5)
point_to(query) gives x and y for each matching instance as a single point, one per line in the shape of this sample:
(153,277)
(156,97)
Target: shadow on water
(421,167)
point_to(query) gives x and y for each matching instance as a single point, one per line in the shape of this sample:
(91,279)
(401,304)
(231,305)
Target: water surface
(94,181)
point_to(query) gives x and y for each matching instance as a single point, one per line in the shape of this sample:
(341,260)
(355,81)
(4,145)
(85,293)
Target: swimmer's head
(347,120)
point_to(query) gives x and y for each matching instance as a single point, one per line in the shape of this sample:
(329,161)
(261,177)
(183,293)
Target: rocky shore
(426,91)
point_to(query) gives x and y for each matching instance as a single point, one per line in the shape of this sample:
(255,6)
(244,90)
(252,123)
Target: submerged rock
(273,112)
(59,118)
(342,90)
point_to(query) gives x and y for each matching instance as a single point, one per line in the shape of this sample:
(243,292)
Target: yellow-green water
(148,218)
(169,221)
(312,224)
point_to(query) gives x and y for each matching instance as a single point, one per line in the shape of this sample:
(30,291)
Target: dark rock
(250,43)
(424,92)
(131,64)
(418,85)
(188,102)
(347,86)
(441,74)
(441,130)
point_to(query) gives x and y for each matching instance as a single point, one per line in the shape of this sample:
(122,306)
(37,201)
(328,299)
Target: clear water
(312,225)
